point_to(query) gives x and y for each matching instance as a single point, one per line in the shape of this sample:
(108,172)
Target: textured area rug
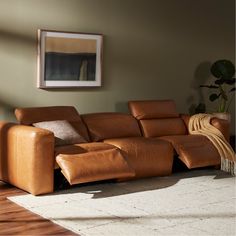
(200,202)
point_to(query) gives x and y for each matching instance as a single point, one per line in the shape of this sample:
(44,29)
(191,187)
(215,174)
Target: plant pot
(222,115)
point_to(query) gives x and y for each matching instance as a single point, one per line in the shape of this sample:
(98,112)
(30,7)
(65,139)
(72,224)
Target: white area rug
(200,202)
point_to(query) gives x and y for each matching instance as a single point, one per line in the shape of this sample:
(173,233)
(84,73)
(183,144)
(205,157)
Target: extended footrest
(94,166)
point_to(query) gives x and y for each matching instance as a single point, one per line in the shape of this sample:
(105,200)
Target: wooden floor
(16,220)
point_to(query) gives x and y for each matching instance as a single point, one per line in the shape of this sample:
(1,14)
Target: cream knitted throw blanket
(200,124)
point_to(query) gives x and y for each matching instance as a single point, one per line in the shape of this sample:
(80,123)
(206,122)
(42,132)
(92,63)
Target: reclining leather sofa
(115,145)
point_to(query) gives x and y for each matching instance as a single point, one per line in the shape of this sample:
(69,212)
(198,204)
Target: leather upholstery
(194,150)
(157,118)
(80,148)
(161,127)
(223,126)
(153,109)
(26,157)
(148,157)
(94,166)
(185,118)
(28,116)
(111,125)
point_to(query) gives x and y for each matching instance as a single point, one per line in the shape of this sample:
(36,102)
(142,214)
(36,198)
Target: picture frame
(69,59)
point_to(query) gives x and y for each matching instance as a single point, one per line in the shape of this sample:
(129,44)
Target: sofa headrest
(153,109)
(111,125)
(30,115)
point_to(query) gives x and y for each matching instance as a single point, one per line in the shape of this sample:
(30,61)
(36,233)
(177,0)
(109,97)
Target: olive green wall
(153,49)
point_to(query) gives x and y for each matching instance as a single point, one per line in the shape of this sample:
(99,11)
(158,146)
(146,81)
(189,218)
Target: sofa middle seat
(148,157)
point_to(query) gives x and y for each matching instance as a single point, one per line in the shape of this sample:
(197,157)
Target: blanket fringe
(228,166)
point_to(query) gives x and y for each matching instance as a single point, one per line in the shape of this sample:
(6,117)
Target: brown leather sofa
(118,146)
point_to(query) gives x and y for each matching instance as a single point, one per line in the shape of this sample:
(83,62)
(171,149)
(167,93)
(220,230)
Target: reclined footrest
(94,166)
(194,150)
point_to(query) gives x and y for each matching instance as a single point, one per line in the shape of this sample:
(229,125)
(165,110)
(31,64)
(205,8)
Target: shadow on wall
(196,100)
(13,37)
(7,111)
(122,107)
(12,42)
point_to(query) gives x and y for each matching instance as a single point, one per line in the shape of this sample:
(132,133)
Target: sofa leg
(217,167)
(60,182)
(178,165)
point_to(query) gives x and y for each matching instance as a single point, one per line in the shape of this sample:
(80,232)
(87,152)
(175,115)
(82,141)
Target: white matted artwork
(68,59)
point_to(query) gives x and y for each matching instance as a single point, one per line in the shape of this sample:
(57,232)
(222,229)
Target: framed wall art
(68,59)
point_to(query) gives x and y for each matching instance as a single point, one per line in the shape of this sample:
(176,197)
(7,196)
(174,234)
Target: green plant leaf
(213,97)
(201,108)
(230,81)
(219,81)
(209,86)
(223,69)
(224,96)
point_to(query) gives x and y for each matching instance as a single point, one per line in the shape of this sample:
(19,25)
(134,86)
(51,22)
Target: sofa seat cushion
(81,148)
(148,157)
(194,150)
(94,166)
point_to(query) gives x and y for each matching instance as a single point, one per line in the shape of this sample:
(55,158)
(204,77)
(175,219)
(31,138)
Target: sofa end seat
(160,119)
(148,157)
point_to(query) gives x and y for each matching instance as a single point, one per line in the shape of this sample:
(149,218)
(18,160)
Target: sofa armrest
(223,126)
(220,124)
(27,157)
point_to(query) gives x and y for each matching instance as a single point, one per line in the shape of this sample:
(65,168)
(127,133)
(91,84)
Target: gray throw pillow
(63,131)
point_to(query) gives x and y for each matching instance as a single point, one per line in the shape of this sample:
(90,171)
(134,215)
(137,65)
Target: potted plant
(223,86)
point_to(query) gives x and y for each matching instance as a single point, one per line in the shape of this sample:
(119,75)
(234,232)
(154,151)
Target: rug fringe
(228,166)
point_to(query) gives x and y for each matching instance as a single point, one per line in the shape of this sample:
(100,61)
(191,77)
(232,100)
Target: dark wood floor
(16,220)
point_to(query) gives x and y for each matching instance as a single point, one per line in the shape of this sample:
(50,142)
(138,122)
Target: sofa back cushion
(111,125)
(28,116)
(153,109)
(158,117)
(162,127)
